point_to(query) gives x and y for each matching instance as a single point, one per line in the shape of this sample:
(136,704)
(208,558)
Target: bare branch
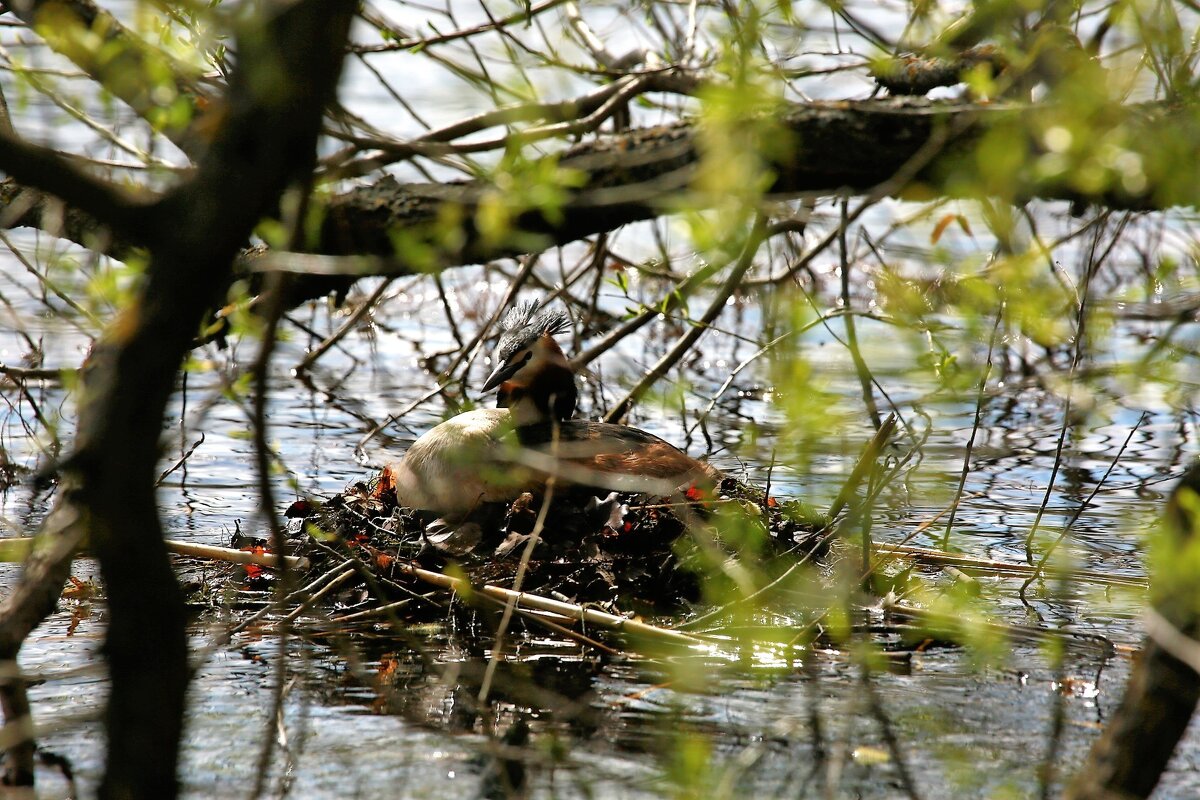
(121,61)
(47,170)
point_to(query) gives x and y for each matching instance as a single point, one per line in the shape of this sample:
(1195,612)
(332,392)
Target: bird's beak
(501,374)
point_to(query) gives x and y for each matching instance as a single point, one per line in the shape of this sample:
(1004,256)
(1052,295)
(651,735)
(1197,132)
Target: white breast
(459,464)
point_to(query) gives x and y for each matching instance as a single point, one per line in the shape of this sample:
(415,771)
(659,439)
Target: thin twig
(180,461)
(510,605)
(865,379)
(347,326)
(18,548)
(1039,569)
(685,342)
(986,566)
(545,620)
(324,591)
(979,397)
(1066,420)
(1026,633)
(262,453)
(25,374)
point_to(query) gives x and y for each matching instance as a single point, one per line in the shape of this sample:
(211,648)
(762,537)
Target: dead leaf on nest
(453,540)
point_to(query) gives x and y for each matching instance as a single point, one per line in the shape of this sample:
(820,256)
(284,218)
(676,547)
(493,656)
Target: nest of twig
(621,551)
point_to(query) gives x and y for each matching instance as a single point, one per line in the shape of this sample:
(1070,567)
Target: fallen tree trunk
(833,148)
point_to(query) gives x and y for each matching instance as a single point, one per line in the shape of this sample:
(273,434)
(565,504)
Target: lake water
(967,729)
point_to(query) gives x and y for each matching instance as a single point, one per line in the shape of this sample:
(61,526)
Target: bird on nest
(493,455)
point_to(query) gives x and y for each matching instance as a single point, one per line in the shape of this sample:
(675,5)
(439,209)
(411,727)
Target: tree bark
(831,148)
(1162,691)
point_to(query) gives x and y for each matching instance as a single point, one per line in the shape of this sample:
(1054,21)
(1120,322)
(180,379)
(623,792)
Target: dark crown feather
(524,323)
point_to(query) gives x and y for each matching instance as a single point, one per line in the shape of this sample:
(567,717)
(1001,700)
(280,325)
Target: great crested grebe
(496,454)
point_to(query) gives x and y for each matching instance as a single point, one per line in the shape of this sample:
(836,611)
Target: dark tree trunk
(287,73)
(1162,692)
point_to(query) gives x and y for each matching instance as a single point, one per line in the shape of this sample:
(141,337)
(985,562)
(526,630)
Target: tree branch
(836,148)
(122,62)
(823,149)
(287,73)
(45,169)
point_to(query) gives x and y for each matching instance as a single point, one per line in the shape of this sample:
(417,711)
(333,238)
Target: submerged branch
(30,601)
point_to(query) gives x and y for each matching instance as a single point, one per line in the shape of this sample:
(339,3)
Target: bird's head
(532,373)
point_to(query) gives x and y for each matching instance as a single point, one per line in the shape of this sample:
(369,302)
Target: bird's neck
(549,396)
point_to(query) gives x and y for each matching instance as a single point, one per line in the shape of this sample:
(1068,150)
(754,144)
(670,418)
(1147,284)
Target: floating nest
(625,552)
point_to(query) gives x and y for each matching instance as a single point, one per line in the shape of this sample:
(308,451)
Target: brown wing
(606,449)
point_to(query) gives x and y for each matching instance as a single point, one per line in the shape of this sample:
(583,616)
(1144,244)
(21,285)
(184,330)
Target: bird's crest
(525,322)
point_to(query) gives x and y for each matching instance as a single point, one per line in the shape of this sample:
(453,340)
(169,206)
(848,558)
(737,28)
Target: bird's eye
(528,355)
